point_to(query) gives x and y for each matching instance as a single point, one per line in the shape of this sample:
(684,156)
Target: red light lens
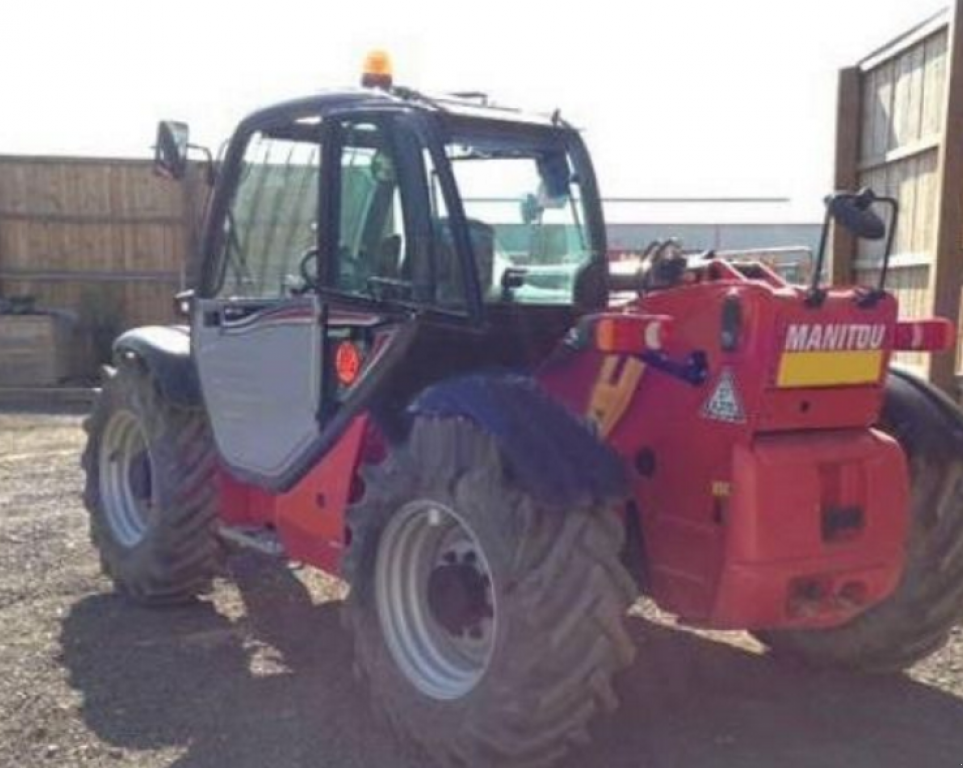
(629,334)
(347,363)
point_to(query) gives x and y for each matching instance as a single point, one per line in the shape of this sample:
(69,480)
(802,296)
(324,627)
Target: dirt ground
(260,674)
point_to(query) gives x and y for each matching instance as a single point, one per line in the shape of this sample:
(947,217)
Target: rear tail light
(936,335)
(629,334)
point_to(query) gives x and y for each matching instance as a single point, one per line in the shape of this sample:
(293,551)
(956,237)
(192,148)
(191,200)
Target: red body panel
(309,519)
(787,509)
(732,511)
(779,567)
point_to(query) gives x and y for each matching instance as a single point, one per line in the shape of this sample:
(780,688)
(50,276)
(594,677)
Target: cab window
(526,221)
(374,259)
(394,237)
(271,222)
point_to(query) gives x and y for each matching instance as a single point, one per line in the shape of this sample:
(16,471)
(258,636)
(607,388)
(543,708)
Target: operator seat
(482,236)
(387,260)
(449,284)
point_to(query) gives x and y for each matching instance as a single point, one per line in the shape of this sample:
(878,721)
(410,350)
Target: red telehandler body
(408,365)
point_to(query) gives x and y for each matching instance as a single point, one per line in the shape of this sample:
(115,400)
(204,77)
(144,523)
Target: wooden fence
(101,238)
(900,132)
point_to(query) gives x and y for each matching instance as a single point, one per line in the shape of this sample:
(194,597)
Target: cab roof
(460,105)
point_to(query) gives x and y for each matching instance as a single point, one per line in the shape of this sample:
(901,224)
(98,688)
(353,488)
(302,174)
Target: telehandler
(406,363)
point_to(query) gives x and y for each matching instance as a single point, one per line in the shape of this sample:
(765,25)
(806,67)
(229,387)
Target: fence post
(848,121)
(946,274)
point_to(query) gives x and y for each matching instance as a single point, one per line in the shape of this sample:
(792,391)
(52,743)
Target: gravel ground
(259,674)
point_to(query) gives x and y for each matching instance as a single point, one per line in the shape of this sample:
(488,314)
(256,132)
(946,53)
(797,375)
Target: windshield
(523,202)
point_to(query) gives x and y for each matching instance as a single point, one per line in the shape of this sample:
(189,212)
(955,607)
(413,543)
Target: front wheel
(150,490)
(488,627)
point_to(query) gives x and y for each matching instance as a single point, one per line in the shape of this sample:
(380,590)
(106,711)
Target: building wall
(899,133)
(719,237)
(103,240)
(108,243)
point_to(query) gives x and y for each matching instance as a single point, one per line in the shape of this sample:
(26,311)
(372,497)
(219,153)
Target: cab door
(328,241)
(257,330)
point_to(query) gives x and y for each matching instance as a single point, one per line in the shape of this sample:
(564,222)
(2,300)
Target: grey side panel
(261,382)
(166,351)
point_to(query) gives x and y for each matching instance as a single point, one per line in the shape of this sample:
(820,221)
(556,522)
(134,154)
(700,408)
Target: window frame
(568,140)
(214,268)
(413,186)
(433,130)
(331,271)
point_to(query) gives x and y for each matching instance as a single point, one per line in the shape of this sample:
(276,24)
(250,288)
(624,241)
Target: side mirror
(856,214)
(170,151)
(556,175)
(530,209)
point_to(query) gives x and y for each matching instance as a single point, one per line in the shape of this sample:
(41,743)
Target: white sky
(688,97)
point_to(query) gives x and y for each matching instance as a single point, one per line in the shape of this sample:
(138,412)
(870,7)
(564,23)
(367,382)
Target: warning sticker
(725,404)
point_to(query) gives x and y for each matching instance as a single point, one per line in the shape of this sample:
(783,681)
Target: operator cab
(362,244)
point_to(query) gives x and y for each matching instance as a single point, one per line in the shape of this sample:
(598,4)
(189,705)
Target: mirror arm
(815,294)
(210,176)
(893,204)
(873,295)
(863,199)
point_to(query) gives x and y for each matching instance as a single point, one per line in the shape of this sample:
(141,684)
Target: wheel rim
(126,474)
(435,599)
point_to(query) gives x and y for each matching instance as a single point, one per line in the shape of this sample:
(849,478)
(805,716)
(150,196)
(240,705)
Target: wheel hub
(138,476)
(126,479)
(458,598)
(435,599)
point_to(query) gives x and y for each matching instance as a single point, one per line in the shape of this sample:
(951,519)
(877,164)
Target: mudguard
(551,453)
(166,353)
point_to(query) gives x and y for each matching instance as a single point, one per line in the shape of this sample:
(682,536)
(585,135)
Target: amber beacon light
(377,70)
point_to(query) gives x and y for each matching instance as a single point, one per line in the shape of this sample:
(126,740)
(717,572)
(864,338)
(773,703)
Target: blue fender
(165,352)
(553,455)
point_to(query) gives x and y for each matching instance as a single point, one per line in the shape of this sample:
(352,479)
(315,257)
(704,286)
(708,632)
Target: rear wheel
(917,618)
(150,490)
(489,628)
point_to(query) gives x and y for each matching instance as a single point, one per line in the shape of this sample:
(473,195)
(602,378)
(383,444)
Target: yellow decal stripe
(829,369)
(612,393)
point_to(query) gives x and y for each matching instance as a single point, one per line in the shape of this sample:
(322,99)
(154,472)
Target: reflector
(934,335)
(629,334)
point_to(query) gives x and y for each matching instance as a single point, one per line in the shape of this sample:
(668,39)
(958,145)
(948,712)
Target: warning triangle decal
(725,404)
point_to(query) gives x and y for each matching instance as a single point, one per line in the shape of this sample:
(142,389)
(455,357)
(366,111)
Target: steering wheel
(351,270)
(309,274)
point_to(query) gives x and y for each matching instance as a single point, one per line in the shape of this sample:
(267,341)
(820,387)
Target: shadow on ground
(275,689)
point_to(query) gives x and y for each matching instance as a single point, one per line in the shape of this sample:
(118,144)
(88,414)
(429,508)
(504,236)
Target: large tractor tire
(916,620)
(488,627)
(150,491)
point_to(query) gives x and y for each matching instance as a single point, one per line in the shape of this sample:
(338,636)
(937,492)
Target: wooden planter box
(35,350)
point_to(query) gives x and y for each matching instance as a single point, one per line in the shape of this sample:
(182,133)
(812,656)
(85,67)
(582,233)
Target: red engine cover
(736,478)
(814,529)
